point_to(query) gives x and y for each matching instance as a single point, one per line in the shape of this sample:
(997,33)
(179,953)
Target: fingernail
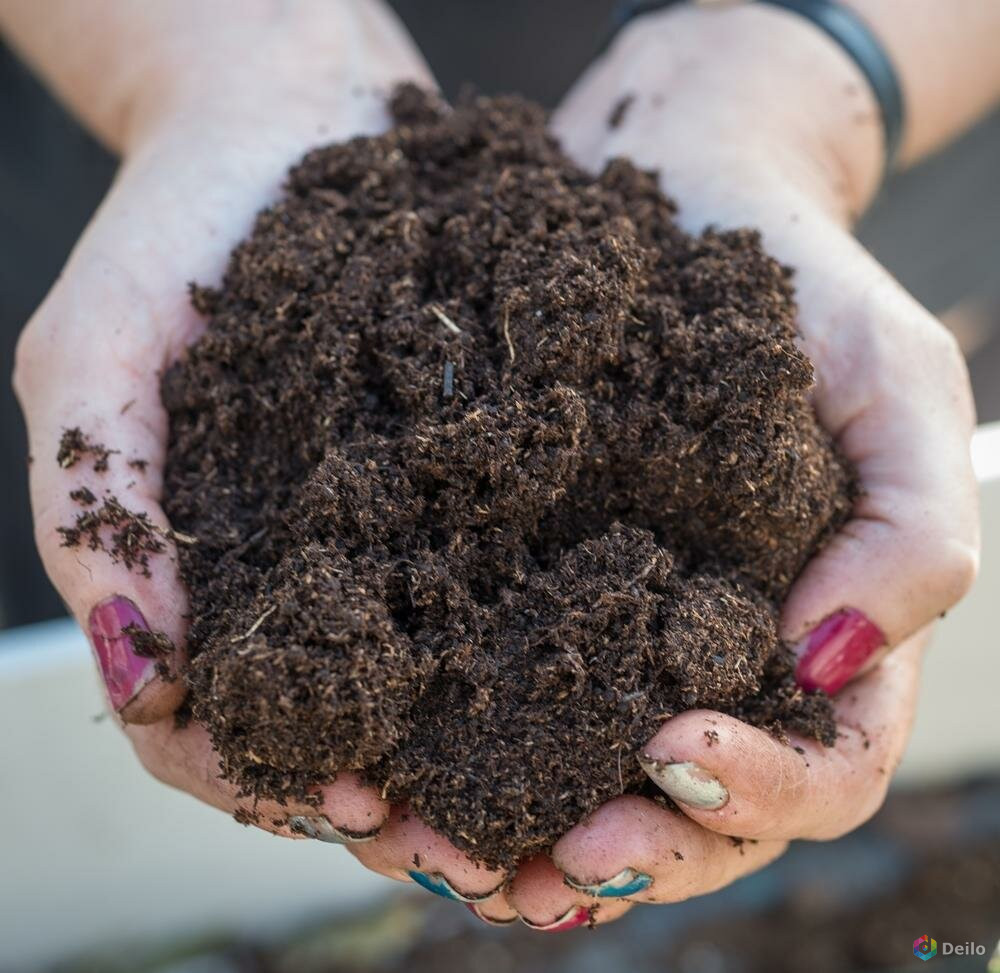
(125,672)
(319,827)
(627,882)
(686,782)
(474,909)
(575,916)
(435,882)
(833,652)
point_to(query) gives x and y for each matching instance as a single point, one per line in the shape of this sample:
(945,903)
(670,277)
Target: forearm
(119,63)
(947,58)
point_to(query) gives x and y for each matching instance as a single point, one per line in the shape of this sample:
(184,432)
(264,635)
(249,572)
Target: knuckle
(958,567)
(154,763)
(854,804)
(28,356)
(946,361)
(866,808)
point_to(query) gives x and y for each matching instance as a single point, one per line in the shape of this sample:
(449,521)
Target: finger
(893,390)
(546,904)
(635,850)
(495,911)
(910,550)
(735,779)
(344,812)
(92,355)
(102,535)
(406,849)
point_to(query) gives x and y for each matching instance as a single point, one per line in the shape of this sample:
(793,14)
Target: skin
(891,387)
(206,138)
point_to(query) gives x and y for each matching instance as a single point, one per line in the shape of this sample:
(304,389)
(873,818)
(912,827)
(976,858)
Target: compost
(492,469)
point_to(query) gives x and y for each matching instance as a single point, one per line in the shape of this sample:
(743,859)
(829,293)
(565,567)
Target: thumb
(86,377)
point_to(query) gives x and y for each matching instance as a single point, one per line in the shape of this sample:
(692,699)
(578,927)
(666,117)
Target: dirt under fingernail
(492,469)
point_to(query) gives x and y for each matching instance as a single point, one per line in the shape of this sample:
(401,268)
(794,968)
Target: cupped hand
(754,119)
(203,153)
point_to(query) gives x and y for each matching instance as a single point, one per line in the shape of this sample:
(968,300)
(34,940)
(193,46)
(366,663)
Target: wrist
(758,85)
(301,64)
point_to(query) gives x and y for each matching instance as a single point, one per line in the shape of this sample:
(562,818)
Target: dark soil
(492,469)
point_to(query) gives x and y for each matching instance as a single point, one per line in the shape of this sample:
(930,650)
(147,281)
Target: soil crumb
(492,468)
(620,110)
(83,496)
(133,536)
(74,445)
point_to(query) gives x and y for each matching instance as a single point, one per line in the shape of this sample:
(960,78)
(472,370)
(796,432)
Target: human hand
(754,118)
(208,131)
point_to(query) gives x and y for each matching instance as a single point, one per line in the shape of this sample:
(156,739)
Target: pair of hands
(207,141)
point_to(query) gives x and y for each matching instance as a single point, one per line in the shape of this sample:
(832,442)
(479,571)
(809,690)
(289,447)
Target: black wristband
(848,30)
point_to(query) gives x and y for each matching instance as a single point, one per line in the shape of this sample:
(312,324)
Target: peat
(492,469)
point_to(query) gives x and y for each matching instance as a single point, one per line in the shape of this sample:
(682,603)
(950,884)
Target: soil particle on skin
(153,645)
(133,537)
(150,645)
(74,445)
(83,496)
(485,586)
(620,110)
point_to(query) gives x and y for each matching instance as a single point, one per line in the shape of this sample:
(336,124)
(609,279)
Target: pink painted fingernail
(833,652)
(125,672)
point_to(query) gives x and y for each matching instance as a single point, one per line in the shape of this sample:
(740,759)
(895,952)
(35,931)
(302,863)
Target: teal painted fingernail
(627,882)
(435,882)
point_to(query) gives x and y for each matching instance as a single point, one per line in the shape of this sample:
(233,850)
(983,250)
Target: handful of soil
(492,469)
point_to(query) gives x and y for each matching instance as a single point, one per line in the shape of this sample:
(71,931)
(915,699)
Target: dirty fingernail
(124,671)
(686,782)
(627,882)
(575,916)
(435,882)
(319,827)
(833,652)
(489,920)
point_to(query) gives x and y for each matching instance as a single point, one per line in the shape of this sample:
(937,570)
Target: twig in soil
(449,380)
(444,319)
(242,548)
(253,628)
(644,572)
(506,334)
(180,538)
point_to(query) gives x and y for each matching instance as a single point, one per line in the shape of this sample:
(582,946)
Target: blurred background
(101,869)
